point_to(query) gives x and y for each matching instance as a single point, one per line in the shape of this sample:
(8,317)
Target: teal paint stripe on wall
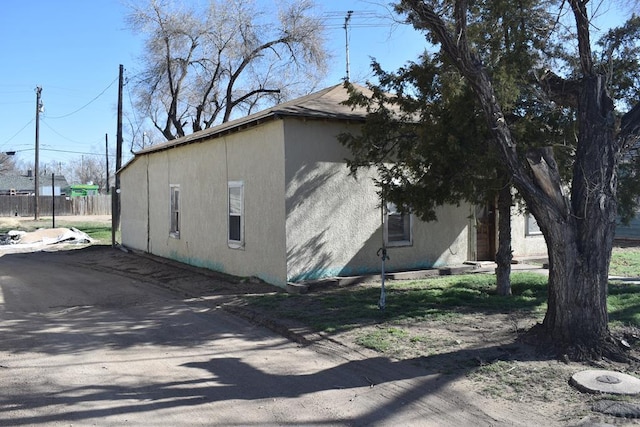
(345,272)
(218,267)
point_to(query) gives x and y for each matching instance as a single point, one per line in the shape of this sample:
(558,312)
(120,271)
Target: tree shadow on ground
(167,321)
(391,387)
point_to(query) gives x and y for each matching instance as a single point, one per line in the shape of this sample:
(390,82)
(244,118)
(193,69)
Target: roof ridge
(297,101)
(309,105)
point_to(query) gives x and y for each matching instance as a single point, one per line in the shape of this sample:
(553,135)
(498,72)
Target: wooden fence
(24,205)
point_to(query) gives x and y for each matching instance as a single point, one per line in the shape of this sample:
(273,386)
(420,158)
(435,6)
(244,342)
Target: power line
(17,133)
(65,151)
(62,136)
(76,152)
(12,89)
(15,103)
(85,105)
(136,121)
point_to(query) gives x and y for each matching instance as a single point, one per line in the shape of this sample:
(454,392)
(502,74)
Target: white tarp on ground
(48,236)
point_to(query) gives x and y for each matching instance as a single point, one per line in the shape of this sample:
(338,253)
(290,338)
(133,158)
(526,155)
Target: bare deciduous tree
(202,66)
(7,163)
(87,169)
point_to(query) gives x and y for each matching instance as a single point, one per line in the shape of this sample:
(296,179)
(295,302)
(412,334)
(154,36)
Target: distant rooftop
(26,183)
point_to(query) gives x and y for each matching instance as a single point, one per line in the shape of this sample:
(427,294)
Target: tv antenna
(346,37)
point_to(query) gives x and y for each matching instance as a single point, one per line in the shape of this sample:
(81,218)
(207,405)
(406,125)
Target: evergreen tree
(486,111)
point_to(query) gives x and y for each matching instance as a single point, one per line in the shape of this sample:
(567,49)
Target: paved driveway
(88,338)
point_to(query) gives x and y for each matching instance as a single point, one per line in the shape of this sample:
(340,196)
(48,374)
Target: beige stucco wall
(332,224)
(202,170)
(133,200)
(524,245)
(334,221)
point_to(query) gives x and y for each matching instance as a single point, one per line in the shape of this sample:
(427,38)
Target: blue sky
(73,48)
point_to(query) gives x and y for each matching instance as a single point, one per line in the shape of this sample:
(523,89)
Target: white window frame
(531,227)
(391,210)
(232,243)
(174,211)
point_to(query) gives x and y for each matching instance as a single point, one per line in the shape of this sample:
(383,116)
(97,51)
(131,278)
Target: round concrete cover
(601,381)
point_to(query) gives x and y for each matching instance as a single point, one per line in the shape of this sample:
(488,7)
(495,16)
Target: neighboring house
(269,195)
(21,185)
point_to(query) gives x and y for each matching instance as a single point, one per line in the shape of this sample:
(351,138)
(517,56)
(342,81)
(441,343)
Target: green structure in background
(80,190)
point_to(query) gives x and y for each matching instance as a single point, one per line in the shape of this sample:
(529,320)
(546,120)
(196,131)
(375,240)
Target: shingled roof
(26,184)
(324,104)
(20,183)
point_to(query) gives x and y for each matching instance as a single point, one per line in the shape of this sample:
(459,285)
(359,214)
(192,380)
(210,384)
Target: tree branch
(561,91)
(545,172)
(579,8)
(251,93)
(245,62)
(629,133)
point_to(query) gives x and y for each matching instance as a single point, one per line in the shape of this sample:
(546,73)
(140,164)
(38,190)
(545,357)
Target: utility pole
(36,208)
(346,37)
(115,206)
(53,199)
(106,152)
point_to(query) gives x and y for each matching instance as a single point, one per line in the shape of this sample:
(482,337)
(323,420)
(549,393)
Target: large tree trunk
(580,244)
(576,319)
(504,255)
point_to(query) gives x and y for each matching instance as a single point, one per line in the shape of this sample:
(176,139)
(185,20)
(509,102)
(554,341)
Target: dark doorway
(486,232)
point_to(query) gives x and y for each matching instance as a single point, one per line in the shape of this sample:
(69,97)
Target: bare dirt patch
(485,352)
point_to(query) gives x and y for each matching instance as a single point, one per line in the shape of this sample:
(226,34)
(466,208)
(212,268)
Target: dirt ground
(488,350)
(481,352)
(489,354)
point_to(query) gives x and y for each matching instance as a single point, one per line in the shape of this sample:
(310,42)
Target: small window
(174,230)
(397,227)
(531,226)
(236,214)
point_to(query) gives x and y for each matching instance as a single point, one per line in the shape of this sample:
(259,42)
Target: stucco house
(269,195)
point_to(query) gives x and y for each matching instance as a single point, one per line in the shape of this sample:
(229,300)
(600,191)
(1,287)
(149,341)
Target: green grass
(99,232)
(625,263)
(623,303)
(96,230)
(442,298)
(382,339)
(518,381)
